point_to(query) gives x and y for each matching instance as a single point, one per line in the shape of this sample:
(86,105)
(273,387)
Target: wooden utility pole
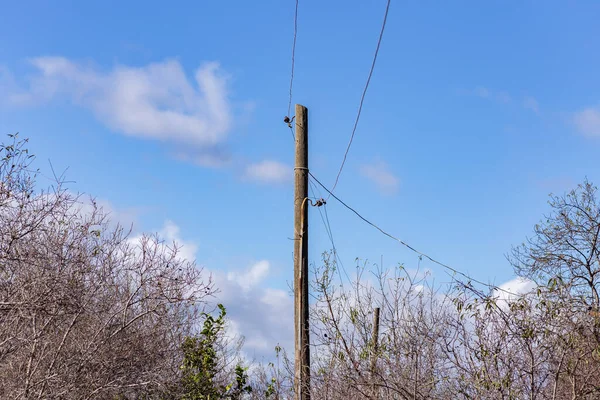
(375,340)
(374,355)
(302,350)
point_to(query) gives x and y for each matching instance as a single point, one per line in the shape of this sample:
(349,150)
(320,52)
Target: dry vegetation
(86,312)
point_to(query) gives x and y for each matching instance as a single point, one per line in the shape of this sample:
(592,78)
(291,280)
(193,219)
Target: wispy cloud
(156,101)
(530,103)
(556,184)
(210,157)
(380,174)
(8,87)
(482,92)
(485,93)
(268,171)
(501,96)
(587,121)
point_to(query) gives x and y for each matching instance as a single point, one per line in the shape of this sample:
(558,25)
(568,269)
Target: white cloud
(8,87)
(262,314)
(485,93)
(213,157)
(482,92)
(502,96)
(269,171)
(252,276)
(530,103)
(156,101)
(507,291)
(588,121)
(126,217)
(381,176)
(170,234)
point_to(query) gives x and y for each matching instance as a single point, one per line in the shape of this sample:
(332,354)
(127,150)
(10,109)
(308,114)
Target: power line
(287,118)
(333,244)
(455,271)
(364,93)
(293,58)
(327,224)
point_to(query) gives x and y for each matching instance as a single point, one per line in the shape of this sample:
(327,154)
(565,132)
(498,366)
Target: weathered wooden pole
(375,354)
(301,332)
(375,340)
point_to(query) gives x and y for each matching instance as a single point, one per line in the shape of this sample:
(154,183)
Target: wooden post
(375,338)
(301,332)
(374,355)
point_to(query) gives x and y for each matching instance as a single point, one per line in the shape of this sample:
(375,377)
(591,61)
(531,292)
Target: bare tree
(407,362)
(86,312)
(563,259)
(460,341)
(89,312)
(565,248)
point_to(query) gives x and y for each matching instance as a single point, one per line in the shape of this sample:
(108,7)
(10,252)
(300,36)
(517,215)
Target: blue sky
(172,116)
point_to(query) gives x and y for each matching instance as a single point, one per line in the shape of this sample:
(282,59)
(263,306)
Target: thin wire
(364,93)
(455,271)
(329,231)
(333,244)
(293,58)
